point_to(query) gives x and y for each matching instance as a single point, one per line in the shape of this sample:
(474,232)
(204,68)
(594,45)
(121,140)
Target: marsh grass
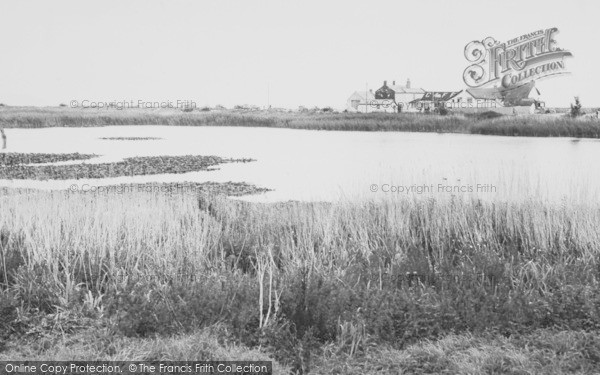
(295,278)
(533,126)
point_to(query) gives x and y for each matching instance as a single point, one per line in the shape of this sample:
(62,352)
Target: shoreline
(527,126)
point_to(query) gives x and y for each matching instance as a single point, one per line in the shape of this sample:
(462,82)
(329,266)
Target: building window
(354,103)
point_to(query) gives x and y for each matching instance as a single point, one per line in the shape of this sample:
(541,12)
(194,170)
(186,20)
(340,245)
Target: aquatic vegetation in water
(128,167)
(15,158)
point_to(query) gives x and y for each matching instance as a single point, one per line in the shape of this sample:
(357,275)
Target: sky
(282,53)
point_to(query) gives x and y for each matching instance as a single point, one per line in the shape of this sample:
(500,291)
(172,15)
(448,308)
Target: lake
(322,165)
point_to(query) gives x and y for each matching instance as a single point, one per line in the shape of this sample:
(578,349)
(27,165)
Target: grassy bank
(538,126)
(313,286)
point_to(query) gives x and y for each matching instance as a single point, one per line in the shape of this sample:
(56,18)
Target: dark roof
(442,96)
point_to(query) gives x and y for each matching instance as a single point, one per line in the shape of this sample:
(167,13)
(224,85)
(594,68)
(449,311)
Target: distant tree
(205,109)
(576,108)
(327,109)
(62,105)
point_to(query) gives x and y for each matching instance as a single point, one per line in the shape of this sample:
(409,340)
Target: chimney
(408,83)
(385,83)
(394,83)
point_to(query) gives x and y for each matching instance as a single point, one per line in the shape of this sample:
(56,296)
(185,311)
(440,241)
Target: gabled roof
(361,95)
(406,90)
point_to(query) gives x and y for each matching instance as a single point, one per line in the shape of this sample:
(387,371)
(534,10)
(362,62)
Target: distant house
(518,100)
(359,101)
(433,99)
(523,95)
(400,96)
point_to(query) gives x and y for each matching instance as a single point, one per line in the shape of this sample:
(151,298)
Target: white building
(518,100)
(359,101)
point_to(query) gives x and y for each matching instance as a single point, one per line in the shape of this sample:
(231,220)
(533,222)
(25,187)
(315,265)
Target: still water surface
(322,165)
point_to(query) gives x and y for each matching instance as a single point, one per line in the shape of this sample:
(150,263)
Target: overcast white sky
(307,52)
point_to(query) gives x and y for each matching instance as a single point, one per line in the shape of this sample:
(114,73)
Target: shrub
(442,110)
(146,307)
(487,115)
(576,108)
(8,315)
(11,255)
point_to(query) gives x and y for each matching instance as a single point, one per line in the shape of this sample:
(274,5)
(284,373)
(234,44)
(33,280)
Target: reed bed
(299,278)
(531,126)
